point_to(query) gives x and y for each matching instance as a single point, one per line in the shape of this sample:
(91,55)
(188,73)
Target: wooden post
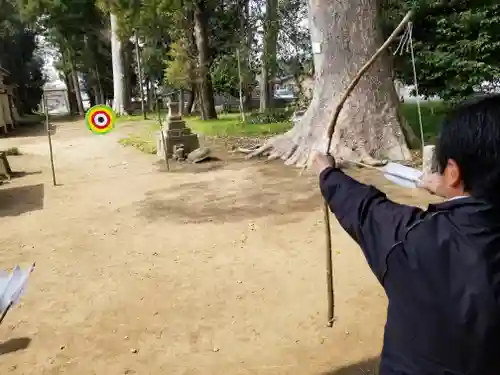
(164,142)
(47,127)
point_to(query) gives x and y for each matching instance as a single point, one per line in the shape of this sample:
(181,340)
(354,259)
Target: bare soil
(210,269)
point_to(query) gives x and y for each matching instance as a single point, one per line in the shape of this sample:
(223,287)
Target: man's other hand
(320,162)
(433,184)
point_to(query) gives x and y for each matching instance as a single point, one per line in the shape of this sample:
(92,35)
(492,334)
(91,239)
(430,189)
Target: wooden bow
(330,131)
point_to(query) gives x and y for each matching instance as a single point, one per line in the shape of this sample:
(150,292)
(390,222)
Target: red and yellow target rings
(100,119)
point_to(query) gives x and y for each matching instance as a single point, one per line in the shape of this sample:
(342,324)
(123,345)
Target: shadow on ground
(269,190)
(14,345)
(207,165)
(19,200)
(35,129)
(367,367)
(18,174)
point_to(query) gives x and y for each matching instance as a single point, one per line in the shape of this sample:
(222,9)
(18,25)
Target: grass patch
(144,141)
(141,143)
(231,125)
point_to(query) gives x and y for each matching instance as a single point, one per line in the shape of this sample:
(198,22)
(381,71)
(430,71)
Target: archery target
(100,119)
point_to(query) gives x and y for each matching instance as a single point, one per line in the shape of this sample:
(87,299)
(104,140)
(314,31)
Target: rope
(406,43)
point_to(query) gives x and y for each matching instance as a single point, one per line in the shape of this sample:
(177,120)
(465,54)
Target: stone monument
(176,134)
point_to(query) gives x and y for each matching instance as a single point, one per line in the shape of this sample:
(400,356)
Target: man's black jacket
(440,269)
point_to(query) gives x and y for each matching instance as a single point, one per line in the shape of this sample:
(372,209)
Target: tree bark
(139,75)
(76,85)
(206,92)
(246,44)
(73,107)
(118,72)
(368,126)
(190,102)
(269,55)
(99,92)
(181,102)
(149,94)
(128,71)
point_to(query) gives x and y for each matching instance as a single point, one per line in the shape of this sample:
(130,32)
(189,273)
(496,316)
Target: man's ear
(452,174)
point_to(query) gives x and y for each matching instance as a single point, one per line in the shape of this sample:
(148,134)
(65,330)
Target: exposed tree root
(242,150)
(281,147)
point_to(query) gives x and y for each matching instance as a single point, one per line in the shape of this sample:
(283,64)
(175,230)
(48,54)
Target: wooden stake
(330,131)
(49,137)
(164,142)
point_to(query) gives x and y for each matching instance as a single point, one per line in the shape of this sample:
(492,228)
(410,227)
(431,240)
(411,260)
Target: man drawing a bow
(440,267)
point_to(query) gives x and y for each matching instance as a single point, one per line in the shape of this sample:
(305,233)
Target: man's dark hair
(470,135)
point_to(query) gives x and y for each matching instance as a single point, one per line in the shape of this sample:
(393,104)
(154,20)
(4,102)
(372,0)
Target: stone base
(189,141)
(177,124)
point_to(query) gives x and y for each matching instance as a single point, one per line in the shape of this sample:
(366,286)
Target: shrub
(269,117)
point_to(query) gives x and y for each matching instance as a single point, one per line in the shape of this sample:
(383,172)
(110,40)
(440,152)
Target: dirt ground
(215,269)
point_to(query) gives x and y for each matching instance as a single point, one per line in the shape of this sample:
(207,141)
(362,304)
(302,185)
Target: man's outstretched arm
(370,218)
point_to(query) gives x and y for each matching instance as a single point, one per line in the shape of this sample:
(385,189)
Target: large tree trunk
(269,55)
(206,92)
(368,126)
(118,72)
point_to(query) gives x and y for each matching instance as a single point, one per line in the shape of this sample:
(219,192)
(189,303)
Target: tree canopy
(455,43)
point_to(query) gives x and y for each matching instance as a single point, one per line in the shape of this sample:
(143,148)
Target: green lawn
(231,125)
(432,115)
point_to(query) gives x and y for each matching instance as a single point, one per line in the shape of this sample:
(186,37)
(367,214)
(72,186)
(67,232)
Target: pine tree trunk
(190,102)
(206,92)
(128,71)
(269,55)
(181,102)
(118,72)
(246,43)
(368,126)
(76,85)
(149,95)
(73,107)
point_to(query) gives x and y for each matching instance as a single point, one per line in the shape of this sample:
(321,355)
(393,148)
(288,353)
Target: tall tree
(369,125)
(119,93)
(294,46)
(21,56)
(205,88)
(269,64)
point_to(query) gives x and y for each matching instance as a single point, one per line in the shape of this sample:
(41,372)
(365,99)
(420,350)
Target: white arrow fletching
(402,175)
(12,286)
